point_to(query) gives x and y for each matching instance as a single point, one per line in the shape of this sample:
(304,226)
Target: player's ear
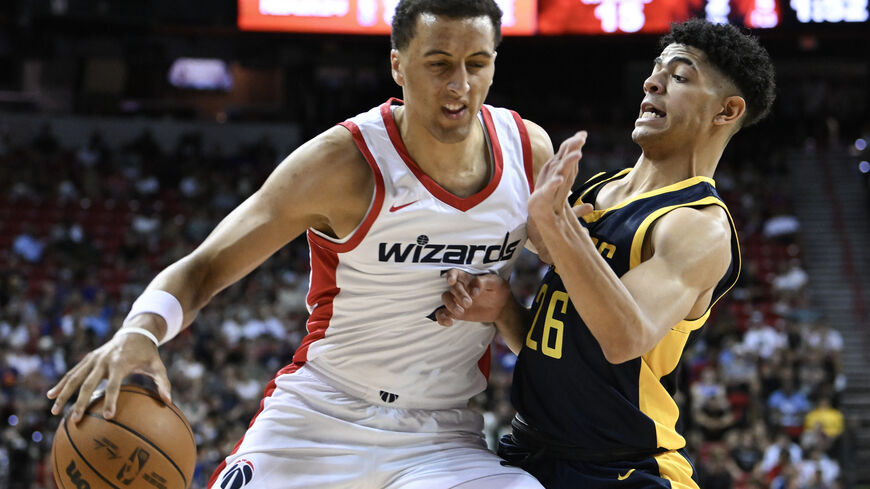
(733,108)
(396,67)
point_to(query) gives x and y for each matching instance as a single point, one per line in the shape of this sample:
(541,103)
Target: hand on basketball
(549,201)
(117,358)
(472,298)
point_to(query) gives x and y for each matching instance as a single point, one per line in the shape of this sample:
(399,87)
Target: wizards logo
(238,475)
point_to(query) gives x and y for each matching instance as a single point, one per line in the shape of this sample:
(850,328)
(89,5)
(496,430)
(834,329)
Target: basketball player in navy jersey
(631,280)
(376,396)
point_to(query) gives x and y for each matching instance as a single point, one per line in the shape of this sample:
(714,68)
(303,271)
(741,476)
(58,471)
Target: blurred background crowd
(97,196)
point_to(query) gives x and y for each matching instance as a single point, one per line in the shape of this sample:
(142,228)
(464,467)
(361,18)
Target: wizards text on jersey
(456,254)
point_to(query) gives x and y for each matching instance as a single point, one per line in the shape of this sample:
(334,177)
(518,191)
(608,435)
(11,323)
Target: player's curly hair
(407,12)
(737,55)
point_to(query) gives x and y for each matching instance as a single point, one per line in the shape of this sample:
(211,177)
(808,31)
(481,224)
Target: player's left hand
(473,297)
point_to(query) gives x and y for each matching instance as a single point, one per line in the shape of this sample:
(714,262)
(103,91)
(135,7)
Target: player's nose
(653,84)
(458,82)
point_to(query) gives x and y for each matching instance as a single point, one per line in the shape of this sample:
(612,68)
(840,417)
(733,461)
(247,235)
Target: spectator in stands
(788,406)
(716,473)
(746,454)
(826,423)
(707,387)
(714,416)
(739,370)
(27,245)
(782,226)
(812,373)
(94,153)
(779,456)
(817,471)
(762,339)
(791,279)
(821,336)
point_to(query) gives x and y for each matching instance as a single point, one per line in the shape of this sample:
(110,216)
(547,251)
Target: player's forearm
(599,296)
(187,280)
(535,243)
(512,324)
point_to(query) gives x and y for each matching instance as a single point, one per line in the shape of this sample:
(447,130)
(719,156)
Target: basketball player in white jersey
(376,396)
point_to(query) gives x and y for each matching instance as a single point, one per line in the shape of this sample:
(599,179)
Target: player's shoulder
(335,153)
(709,223)
(542,145)
(537,135)
(695,235)
(337,144)
(327,166)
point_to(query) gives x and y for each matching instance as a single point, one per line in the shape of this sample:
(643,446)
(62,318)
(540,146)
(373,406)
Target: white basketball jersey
(374,293)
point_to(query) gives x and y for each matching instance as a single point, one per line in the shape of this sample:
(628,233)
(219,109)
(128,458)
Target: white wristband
(142,331)
(163,304)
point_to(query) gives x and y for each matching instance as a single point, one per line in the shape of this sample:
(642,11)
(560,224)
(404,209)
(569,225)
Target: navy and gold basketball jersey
(563,385)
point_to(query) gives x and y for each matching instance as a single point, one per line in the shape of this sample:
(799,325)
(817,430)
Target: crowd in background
(84,229)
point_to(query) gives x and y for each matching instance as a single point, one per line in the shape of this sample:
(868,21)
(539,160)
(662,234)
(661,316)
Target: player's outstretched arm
(301,193)
(685,254)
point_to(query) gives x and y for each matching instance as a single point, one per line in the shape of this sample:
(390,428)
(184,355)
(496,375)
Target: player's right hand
(117,358)
(479,298)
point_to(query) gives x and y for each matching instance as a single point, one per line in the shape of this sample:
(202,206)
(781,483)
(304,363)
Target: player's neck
(659,169)
(650,174)
(462,168)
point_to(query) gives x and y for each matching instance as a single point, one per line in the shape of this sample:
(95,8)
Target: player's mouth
(649,112)
(454,111)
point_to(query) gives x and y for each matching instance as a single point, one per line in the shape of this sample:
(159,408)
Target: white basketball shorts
(310,434)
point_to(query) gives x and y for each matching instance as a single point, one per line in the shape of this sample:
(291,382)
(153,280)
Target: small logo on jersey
(394,208)
(624,476)
(238,475)
(388,396)
(457,254)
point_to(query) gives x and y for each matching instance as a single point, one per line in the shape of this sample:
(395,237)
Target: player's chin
(642,134)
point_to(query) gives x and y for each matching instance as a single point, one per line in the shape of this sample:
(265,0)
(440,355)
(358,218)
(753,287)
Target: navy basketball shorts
(668,470)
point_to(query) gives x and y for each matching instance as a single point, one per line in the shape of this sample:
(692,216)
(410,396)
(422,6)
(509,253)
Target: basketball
(147,445)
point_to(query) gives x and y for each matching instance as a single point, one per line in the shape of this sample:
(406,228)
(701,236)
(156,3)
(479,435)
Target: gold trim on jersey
(653,399)
(674,467)
(596,214)
(593,177)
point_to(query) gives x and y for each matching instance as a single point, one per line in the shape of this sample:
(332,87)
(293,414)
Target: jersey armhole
(528,157)
(351,241)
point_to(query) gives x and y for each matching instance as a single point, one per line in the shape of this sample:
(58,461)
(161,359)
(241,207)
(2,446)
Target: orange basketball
(147,445)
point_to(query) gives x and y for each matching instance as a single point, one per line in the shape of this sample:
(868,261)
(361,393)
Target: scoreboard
(357,16)
(555,17)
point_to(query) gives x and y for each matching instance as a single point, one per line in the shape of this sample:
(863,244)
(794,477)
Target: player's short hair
(737,55)
(407,12)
